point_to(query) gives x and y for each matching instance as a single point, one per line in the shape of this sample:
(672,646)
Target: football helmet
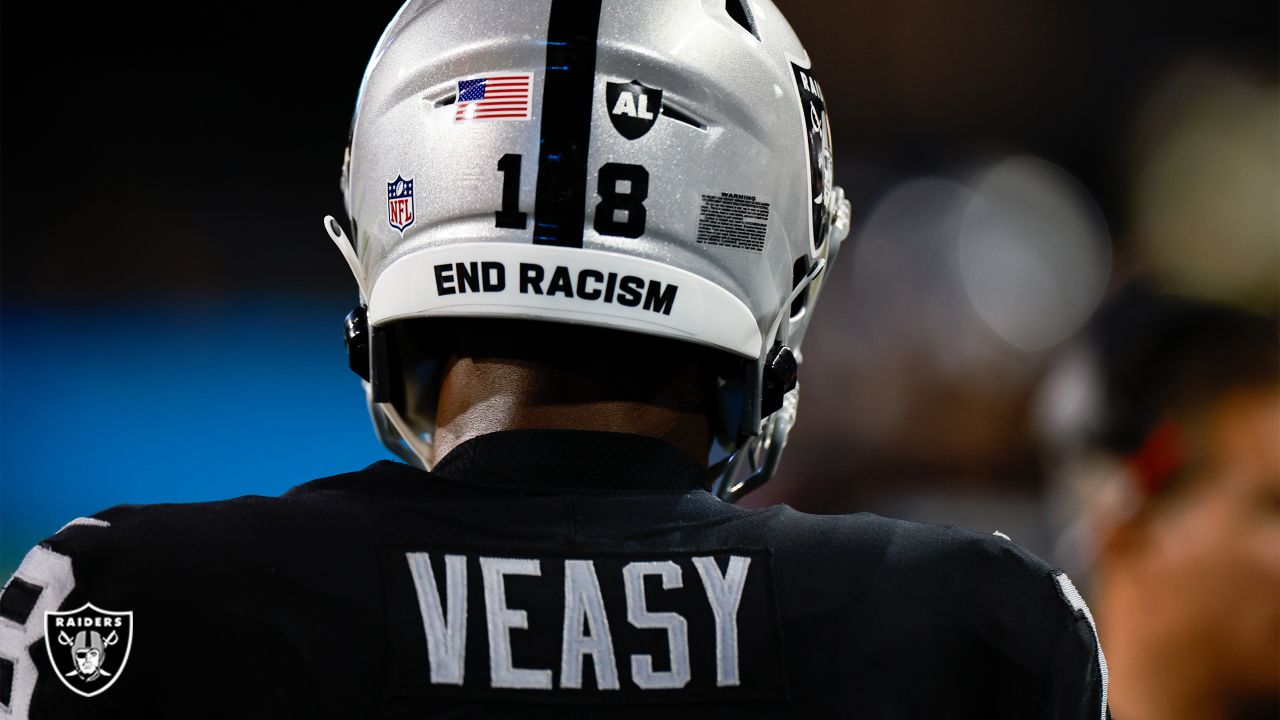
(659,167)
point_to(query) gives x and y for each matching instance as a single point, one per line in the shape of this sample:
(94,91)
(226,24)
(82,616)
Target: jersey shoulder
(978,595)
(129,549)
(945,555)
(156,548)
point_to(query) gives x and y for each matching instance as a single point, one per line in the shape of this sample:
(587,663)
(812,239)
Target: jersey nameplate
(589,628)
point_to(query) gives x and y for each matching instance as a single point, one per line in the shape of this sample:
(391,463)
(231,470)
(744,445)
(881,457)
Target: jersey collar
(572,460)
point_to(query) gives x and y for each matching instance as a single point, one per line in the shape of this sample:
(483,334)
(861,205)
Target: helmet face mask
(658,168)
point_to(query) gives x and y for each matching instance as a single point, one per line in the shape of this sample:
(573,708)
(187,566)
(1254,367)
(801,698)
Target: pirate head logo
(821,172)
(88,651)
(88,647)
(633,107)
(400,203)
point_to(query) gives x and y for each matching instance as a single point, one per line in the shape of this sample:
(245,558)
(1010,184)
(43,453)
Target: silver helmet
(660,167)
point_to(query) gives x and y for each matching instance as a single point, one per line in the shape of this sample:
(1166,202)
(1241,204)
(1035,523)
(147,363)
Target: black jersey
(536,574)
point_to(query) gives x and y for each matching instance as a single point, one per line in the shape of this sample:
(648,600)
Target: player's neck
(478,397)
(1155,674)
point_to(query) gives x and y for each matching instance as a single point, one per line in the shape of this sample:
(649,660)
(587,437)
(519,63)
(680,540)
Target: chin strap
(762,453)
(396,434)
(390,426)
(764,450)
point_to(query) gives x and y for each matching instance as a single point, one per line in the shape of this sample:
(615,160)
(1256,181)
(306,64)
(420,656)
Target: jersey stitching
(52,572)
(1067,590)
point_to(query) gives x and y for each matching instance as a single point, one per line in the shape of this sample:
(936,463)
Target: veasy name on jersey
(535,279)
(691,625)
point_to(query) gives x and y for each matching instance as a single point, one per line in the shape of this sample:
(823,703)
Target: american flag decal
(494,97)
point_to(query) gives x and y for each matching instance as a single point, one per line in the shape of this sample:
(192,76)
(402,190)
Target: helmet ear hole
(798,272)
(384,364)
(780,372)
(731,401)
(740,11)
(356,337)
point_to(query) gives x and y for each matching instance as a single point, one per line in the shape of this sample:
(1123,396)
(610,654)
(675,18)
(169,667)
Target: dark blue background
(169,402)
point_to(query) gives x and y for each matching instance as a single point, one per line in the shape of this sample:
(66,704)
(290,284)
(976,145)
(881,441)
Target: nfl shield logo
(88,647)
(400,203)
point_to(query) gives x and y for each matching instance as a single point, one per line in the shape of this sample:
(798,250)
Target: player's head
(88,651)
(1172,489)
(661,169)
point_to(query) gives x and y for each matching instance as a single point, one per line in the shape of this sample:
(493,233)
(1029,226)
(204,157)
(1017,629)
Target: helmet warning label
(733,220)
(491,276)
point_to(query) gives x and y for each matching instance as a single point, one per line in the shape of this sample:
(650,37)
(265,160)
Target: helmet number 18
(622,188)
(614,201)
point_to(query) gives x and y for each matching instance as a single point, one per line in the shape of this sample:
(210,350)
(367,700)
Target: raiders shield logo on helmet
(88,647)
(633,107)
(821,170)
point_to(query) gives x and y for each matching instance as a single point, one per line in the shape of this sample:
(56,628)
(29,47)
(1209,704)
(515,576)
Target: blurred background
(170,308)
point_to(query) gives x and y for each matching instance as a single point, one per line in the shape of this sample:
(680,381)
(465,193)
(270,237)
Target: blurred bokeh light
(1034,253)
(1207,182)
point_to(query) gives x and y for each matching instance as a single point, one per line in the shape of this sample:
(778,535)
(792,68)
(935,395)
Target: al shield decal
(633,107)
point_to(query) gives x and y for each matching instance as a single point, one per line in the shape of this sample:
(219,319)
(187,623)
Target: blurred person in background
(1166,431)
